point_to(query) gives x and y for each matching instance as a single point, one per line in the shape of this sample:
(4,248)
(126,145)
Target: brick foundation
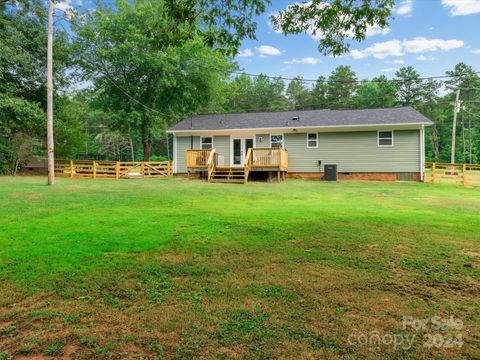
(377,176)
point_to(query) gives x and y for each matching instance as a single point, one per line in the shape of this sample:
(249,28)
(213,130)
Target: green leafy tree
(149,67)
(298,94)
(69,124)
(259,94)
(239,94)
(334,22)
(409,86)
(319,93)
(23,44)
(465,79)
(341,86)
(379,93)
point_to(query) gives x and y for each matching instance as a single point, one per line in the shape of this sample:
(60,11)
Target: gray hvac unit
(331,173)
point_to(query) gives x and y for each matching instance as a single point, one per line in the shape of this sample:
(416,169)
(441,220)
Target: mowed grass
(172,268)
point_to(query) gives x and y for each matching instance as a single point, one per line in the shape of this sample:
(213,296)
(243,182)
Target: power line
(349,81)
(322,104)
(299,78)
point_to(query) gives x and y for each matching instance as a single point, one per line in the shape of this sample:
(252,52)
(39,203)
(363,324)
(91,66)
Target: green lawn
(172,268)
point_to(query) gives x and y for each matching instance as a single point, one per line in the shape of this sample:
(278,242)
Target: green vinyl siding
(221,145)
(184,143)
(262,140)
(355,152)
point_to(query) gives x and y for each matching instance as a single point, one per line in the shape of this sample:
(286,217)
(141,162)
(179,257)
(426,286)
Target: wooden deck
(271,160)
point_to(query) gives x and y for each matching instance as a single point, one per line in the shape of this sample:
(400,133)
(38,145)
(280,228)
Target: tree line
(126,73)
(343,90)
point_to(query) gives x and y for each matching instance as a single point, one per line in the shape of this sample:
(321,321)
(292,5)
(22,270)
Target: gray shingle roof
(306,118)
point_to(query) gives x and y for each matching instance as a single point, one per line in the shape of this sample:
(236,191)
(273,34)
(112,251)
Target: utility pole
(456,109)
(50,143)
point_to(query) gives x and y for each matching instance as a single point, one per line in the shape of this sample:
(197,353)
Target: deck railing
(248,163)
(462,174)
(211,163)
(100,169)
(276,158)
(198,158)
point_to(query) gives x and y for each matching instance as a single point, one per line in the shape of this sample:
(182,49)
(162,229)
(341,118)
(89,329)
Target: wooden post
(169,168)
(433,173)
(143,169)
(456,109)
(71,168)
(464,174)
(50,142)
(117,170)
(94,169)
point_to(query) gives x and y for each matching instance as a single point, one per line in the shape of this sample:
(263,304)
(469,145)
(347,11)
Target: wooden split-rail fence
(99,169)
(462,174)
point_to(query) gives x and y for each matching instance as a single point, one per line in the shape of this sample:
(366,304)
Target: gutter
(301,127)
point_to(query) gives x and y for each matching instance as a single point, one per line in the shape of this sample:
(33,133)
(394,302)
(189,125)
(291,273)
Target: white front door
(240,146)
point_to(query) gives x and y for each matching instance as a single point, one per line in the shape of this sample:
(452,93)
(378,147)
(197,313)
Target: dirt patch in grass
(472,253)
(27,196)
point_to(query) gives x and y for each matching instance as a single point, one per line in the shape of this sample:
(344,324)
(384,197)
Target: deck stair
(228,174)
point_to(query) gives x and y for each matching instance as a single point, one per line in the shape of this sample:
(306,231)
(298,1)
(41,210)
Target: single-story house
(377,144)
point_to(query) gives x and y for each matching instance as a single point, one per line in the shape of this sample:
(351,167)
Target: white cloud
(462,7)
(267,50)
(67,5)
(404,8)
(431,28)
(396,61)
(380,50)
(357,54)
(245,53)
(371,31)
(398,48)
(63,6)
(426,58)
(476,51)
(391,69)
(376,30)
(305,60)
(421,44)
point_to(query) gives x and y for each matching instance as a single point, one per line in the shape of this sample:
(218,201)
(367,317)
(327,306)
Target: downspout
(174,153)
(191,136)
(422,152)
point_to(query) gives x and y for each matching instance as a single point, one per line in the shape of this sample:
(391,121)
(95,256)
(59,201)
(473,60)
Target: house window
(385,138)
(312,140)
(206,142)
(276,141)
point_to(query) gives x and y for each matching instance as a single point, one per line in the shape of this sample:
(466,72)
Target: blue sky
(430,35)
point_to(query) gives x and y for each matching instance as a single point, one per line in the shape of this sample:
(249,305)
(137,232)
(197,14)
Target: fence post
(464,173)
(433,173)
(117,170)
(94,169)
(143,169)
(71,168)
(169,168)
